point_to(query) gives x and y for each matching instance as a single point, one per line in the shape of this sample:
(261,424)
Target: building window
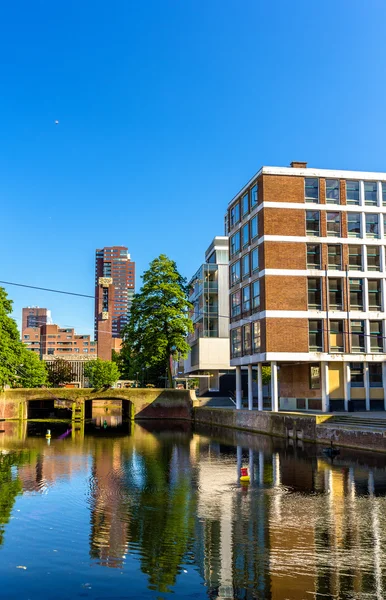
(335,257)
(245,266)
(357,375)
(254,194)
(375,302)
(376,336)
(354,224)
(235,273)
(352,192)
(245,235)
(356,294)
(235,243)
(336,336)
(311,189)
(256,337)
(372,226)
(314,293)
(313,256)
(315,335)
(236,342)
(246,298)
(235,214)
(373,258)
(245,205)
(332,191)
(247,339)
(355,258)
(26,337)
(383,193)
(375,375)
(85,350)
(236,304)
(357,336)
(333,224)
(254,228)
(370,193)
(312,222)
(256,295)
(255,260)
(315,377)
(335,293)
(76,349)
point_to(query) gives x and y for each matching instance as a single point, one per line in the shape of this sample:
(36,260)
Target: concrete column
(361,193)
(261,467)
(363,227)
(260,386)
(325,387)
(274,387)
(239,454)
(250,388)
(347,384)
(239,390)
(384,384)
(367,384)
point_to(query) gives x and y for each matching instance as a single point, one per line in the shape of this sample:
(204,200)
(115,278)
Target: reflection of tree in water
(162,515)
(10,485)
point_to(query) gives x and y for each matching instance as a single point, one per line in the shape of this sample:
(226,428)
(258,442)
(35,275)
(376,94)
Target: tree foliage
(266,374)
(60,372)
(159,321)
(33,372)
(101,373)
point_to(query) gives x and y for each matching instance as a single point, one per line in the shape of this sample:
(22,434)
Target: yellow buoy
(244,475)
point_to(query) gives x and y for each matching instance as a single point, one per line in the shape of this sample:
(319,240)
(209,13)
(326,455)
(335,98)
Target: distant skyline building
(114,291)
(34,316)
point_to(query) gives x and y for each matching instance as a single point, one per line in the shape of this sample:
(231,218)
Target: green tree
(101,373)
(11,348)
(60,372)
(266,374)
(159,321)
(33,371)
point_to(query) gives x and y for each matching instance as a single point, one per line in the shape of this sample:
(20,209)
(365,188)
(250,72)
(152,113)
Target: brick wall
(284,255)
(284,221)
(279,188)
(285,293)
(294,382)
(286,335)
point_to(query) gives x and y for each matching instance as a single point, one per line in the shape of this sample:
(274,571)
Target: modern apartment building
(114,291)
(58,341)
(209,295)
(33,317)
(307,286)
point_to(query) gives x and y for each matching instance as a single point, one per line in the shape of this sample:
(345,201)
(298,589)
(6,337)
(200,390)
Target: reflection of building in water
(49,466)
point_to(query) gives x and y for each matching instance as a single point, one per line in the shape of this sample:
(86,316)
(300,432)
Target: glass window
(235,243)
(354,224)
(235,273)
(256,295)
(26,337)
(255,260)
(375,374)
(373,258)
(370,193)
(376,336)
(245,235)
(352,192)
(357,375)
(332,191)
(355,258)
(256,338)
(236,342)
(314,293)
(246,298)
(247,339)
(333,224)
(336,336)
(335,293)
(315,336)
(313,256)
(254,194)
(254,228)
(383,193)
(245,266)
(357,336)
(245,205)
(372,225)
(335,257)
(236,304)
(312,222)
(356,294)
(235,214)
(375,294)
(311,189)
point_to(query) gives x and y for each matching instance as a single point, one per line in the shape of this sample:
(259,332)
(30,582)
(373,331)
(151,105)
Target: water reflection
(170,500)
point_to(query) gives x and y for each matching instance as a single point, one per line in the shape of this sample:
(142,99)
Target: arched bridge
(75,403)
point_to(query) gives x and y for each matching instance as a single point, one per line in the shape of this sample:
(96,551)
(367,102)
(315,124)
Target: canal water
(151,511)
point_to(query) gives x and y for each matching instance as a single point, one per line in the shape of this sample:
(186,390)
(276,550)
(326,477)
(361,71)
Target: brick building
(63,341)
(307,287)
(33,317)
(114,290)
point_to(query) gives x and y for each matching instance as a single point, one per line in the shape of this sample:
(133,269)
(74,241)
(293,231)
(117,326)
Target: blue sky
(166,108)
